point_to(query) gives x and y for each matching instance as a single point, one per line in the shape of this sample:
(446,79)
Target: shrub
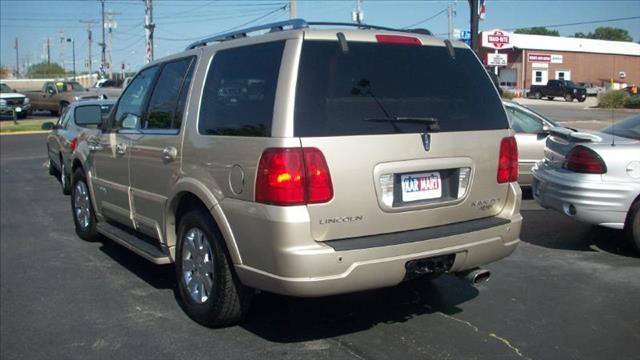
(632,102)
(612,99)
(507,95)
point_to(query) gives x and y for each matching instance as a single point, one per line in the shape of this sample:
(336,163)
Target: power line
(282,8)
(427,19)
(579,23)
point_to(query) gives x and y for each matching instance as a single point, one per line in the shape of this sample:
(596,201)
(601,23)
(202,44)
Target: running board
(134,242)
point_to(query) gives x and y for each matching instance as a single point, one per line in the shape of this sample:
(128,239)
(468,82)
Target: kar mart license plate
(422,186)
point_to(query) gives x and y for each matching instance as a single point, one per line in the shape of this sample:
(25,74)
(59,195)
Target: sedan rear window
(361,91)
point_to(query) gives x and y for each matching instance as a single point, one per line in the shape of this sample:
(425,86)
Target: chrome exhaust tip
(475,276)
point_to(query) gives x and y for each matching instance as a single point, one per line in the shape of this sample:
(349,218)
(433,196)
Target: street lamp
(73,46)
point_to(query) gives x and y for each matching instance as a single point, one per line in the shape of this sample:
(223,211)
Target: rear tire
(81,208)
(632,226)
(550,97)
(64,179)
(53,171)
(537,95)
(209,291)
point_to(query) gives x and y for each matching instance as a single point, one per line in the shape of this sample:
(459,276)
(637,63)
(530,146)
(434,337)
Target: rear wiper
(430,122)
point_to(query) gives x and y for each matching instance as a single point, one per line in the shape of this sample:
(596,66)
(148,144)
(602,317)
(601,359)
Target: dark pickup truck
(559,88)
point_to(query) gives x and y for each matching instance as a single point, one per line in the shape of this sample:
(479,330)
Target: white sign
(556,59)
(540,65)
(497,59)
(497,39)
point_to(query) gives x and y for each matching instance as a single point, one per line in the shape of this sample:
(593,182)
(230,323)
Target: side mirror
(48,126)
(88,115)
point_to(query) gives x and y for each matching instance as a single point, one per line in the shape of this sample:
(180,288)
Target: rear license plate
(423,186)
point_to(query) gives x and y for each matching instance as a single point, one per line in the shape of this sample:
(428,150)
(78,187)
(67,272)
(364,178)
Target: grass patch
(8,126)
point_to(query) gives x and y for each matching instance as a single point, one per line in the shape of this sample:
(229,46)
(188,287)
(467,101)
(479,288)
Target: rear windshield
(354,93)
(628,128)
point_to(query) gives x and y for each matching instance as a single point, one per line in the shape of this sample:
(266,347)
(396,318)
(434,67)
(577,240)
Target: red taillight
(584,160)
(508,160)
(293,176)
(73,144)
(398,39)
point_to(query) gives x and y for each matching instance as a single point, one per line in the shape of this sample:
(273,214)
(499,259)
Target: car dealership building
(524,60)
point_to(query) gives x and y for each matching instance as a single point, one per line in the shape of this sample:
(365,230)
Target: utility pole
(292,9)
(110,24)
(61,50)
(451,12)
(89,63)
(148,29)
(474,19)
(102,44)
(357,15)
(48,53)
(17,60)
(73,47)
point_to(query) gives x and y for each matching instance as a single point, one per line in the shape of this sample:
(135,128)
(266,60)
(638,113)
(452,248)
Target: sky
(180,22)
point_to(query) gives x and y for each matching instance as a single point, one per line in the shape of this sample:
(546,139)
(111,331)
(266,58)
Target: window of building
(240,90)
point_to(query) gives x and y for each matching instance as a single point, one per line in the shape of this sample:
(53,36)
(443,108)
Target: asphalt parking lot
(570,291)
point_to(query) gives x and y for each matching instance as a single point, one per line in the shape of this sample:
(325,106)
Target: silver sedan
(531,130)
(593,176)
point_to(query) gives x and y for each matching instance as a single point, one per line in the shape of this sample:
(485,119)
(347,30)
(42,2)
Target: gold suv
(304,161)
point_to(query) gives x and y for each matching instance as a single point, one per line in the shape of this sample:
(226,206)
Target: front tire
(83,216)
(209,291)
(632,226)
(582,99)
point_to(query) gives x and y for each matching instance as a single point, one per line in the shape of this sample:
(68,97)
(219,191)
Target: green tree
(606,33)
(538,30)
(45,70)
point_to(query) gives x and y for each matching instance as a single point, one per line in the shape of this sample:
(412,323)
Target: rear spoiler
(573,135)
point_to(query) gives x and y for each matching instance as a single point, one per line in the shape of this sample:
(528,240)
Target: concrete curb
(24,132)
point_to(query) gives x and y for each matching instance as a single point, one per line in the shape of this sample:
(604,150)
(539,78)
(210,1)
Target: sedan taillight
(584,160)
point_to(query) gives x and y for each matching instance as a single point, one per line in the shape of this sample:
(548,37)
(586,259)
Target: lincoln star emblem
(426,141)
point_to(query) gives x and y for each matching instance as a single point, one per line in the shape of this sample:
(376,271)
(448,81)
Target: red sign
(545,58)
(498,39)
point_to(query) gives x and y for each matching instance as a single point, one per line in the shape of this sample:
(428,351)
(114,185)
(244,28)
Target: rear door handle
(121,148)
(169,153)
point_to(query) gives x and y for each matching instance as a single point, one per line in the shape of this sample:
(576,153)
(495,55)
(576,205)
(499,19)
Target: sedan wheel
(82,210)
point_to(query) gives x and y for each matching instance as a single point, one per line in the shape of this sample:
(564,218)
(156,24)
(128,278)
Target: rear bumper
(311,269)
(584,197)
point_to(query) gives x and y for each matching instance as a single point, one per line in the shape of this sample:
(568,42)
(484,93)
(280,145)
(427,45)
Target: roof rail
(294,24)
(273,27)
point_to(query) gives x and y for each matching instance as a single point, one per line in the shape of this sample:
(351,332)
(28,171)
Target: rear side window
(239,91)
(354,93)
(165,109)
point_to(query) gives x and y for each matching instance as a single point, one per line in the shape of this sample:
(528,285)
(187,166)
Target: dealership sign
(545,58)
(497,39)
(497,59)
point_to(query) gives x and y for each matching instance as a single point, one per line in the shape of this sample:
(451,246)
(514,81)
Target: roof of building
(557,43)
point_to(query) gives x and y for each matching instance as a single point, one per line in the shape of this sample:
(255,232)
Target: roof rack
(273,27)
(293,24)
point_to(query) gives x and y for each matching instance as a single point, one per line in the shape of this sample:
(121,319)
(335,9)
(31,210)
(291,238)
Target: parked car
(594,177)
(360,179)
(63,138)
(109,89)
(531,130)
(12,101)
(592,90)
(55,96)
(559,88)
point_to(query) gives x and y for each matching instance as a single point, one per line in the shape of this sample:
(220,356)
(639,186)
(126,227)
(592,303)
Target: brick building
(534,59)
